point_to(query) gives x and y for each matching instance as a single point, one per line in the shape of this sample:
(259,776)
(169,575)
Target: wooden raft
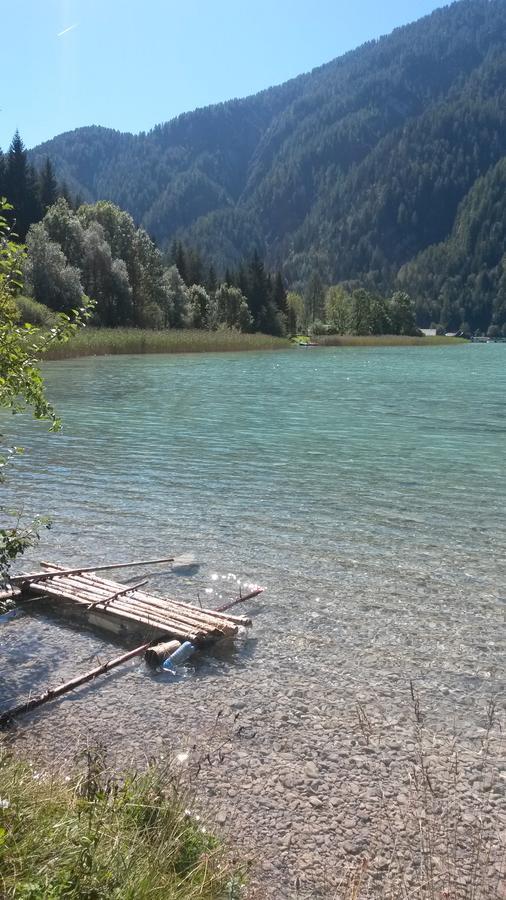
(90,596)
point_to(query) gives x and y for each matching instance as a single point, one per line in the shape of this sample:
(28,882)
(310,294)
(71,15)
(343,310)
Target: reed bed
(384,340)
(112,341)
(117,341)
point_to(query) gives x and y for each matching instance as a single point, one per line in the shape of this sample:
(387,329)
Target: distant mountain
(352,170)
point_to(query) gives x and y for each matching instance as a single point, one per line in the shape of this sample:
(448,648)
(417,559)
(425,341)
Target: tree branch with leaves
(21,384)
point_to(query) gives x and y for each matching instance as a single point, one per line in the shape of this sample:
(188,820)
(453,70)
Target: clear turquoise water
(364,488)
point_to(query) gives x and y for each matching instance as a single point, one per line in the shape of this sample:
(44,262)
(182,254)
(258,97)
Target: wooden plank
(178,610)
(187,608)
(174,617)
(125,590)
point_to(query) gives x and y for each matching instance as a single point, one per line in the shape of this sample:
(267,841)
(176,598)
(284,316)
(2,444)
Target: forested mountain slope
(463,279)
(351,170)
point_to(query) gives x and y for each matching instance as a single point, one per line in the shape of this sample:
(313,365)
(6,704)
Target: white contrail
(66,30)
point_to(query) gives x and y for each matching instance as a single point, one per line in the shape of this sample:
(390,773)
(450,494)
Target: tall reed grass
(384,340)
(109,341)
(115,341)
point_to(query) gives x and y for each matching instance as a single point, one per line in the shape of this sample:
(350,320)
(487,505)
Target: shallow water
(363,488)
(355,485)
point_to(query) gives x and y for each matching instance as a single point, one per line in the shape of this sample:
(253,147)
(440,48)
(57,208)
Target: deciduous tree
(21,384)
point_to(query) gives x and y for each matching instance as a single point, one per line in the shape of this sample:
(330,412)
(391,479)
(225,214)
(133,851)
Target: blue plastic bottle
(179,656)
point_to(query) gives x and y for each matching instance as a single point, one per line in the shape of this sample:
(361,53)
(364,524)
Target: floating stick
(237,600)
(53,693)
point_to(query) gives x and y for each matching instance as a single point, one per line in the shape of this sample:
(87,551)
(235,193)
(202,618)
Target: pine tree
(279,293)
(173,253)
(181,262)
(194,267)
(65,193)
(314,298)
(241,280)
(212,281)
(2,174)
(48,186)
(21,187)
(257,290)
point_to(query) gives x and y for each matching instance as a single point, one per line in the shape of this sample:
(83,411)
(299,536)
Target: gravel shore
(317,786)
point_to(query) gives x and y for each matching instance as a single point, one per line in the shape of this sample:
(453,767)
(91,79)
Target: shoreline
(132,341)
(361,808)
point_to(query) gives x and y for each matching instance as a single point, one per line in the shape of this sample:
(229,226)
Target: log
(83,591)
(41,576)
(176,619)
(126,613)
(196,613)
(53,693)
(207,620)
(90,583)
(77,590)
(157,654)
(210,618)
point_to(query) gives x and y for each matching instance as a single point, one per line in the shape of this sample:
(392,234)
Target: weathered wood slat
(141,603)
(162,628)
(187,612)
(152,613)
(187,607)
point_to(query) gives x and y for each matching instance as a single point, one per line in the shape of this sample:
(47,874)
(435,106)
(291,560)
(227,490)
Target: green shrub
(34,313)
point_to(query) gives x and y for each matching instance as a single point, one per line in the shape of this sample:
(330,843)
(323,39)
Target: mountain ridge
(352,169)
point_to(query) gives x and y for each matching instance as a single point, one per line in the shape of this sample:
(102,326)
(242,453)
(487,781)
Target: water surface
(363,488)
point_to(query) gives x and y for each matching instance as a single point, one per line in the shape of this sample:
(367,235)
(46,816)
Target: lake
(363,488)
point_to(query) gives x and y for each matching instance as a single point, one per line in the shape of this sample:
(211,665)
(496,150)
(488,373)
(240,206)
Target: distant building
(429,332)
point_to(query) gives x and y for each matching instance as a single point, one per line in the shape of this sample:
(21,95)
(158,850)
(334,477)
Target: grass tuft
(101,838)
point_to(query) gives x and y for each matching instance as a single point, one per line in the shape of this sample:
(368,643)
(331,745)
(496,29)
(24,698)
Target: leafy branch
(21,383)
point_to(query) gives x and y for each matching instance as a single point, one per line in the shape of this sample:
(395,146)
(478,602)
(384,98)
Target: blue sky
(129,64)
